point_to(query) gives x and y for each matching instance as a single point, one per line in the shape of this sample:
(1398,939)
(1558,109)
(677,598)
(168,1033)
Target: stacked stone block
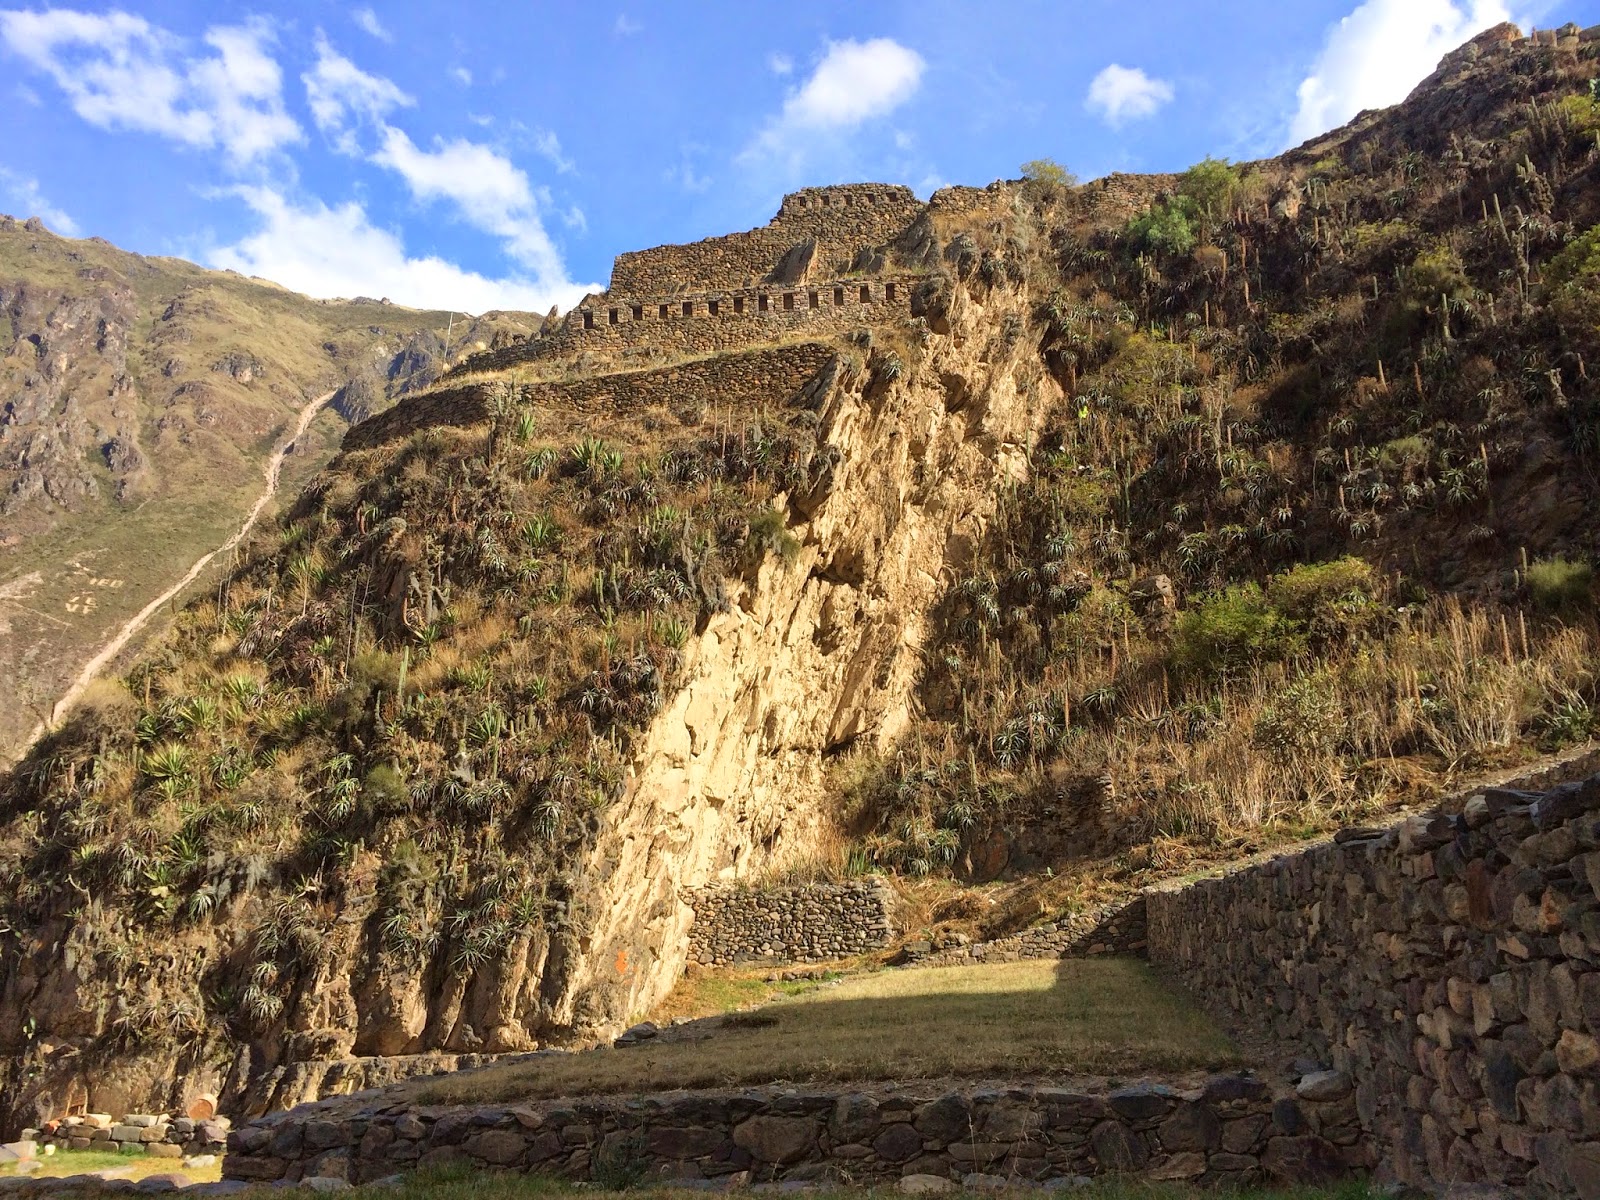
(1116,929)
(157,1135)
(778,376)
(808,923)
(1229,1131)
(737,323)
(1450,965)
(841,220)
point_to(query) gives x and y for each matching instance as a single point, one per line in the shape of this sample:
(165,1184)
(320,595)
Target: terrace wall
(841,220)
(707,322)
(1449,965)
(1227,1131)
(772,376)
(806,923)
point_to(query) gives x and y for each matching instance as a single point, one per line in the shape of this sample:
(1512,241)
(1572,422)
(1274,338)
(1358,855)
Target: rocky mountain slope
(140,399)
(1036,527)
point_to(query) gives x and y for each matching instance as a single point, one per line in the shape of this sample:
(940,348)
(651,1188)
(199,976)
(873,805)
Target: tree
(1048,171)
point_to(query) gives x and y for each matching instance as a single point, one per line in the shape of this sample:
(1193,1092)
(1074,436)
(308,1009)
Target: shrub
(385,788)
(1211,184)
(1049,172)
(1312,604)
(1231,630)
(1165,228)
(769,534)
(1560,585)
(1330,601)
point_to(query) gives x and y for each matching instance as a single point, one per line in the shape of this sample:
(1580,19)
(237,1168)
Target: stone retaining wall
(1450,964)
(840,220)
(157,1135)
(1119,929)
(1227,1131)
(809,923)
(720,322)
(776,377)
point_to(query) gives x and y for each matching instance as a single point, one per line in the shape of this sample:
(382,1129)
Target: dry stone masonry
(833,224)
(1117,929)
(156,1135)
(779,376)
(1226,1131)
(1449,966)
(809,923)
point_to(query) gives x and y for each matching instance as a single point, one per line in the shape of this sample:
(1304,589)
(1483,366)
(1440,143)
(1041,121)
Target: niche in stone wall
(813,301)
(738,304)
(638,312)
(788,302)
(588,319)
(888,292)
(613,316)
(666,311)
(838,297)
(866,293)
(763,303)
(712,307)
(688,308)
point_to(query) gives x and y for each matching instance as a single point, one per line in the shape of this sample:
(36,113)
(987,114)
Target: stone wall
(1226,1131)
(841,220)
(1448,964)
(808,923)
(775,376)
(716,323)
(1116,929)
(156,1135)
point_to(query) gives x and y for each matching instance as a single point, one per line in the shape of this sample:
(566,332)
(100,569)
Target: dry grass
(1010,1020)
(81,1162)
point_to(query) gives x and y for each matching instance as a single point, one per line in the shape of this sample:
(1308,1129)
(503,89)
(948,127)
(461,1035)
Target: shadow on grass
(1015,1021)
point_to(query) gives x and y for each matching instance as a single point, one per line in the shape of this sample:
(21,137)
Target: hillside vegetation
(141,398)
(1184,514)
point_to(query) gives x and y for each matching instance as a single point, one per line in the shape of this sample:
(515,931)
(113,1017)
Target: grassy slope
(204,450)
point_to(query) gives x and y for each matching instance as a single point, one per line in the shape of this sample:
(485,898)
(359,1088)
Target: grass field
(1007,1020)
(137,1166)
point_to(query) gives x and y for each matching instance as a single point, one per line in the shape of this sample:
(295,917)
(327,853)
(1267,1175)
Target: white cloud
(489,191)
(626,26)
(1120,94)
(368,20)
(549,146)
(574,219)
(339,92)
(1374,56)
(330,252)
(780,64)
(120,72)
(23,194)
(854,82)
(461,75)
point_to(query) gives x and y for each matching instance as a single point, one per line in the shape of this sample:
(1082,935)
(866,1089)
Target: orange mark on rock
(622,962)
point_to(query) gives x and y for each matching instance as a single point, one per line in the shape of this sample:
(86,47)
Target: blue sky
(498,155)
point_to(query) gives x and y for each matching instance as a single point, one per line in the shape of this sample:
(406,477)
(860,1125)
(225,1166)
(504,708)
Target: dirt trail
(136,622)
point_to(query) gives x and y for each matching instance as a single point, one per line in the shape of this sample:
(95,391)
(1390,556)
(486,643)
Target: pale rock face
(824,652)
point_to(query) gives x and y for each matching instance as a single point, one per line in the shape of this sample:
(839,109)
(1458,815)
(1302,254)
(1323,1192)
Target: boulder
(777,1139)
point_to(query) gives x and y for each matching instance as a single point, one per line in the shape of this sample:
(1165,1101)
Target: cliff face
(560,638)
